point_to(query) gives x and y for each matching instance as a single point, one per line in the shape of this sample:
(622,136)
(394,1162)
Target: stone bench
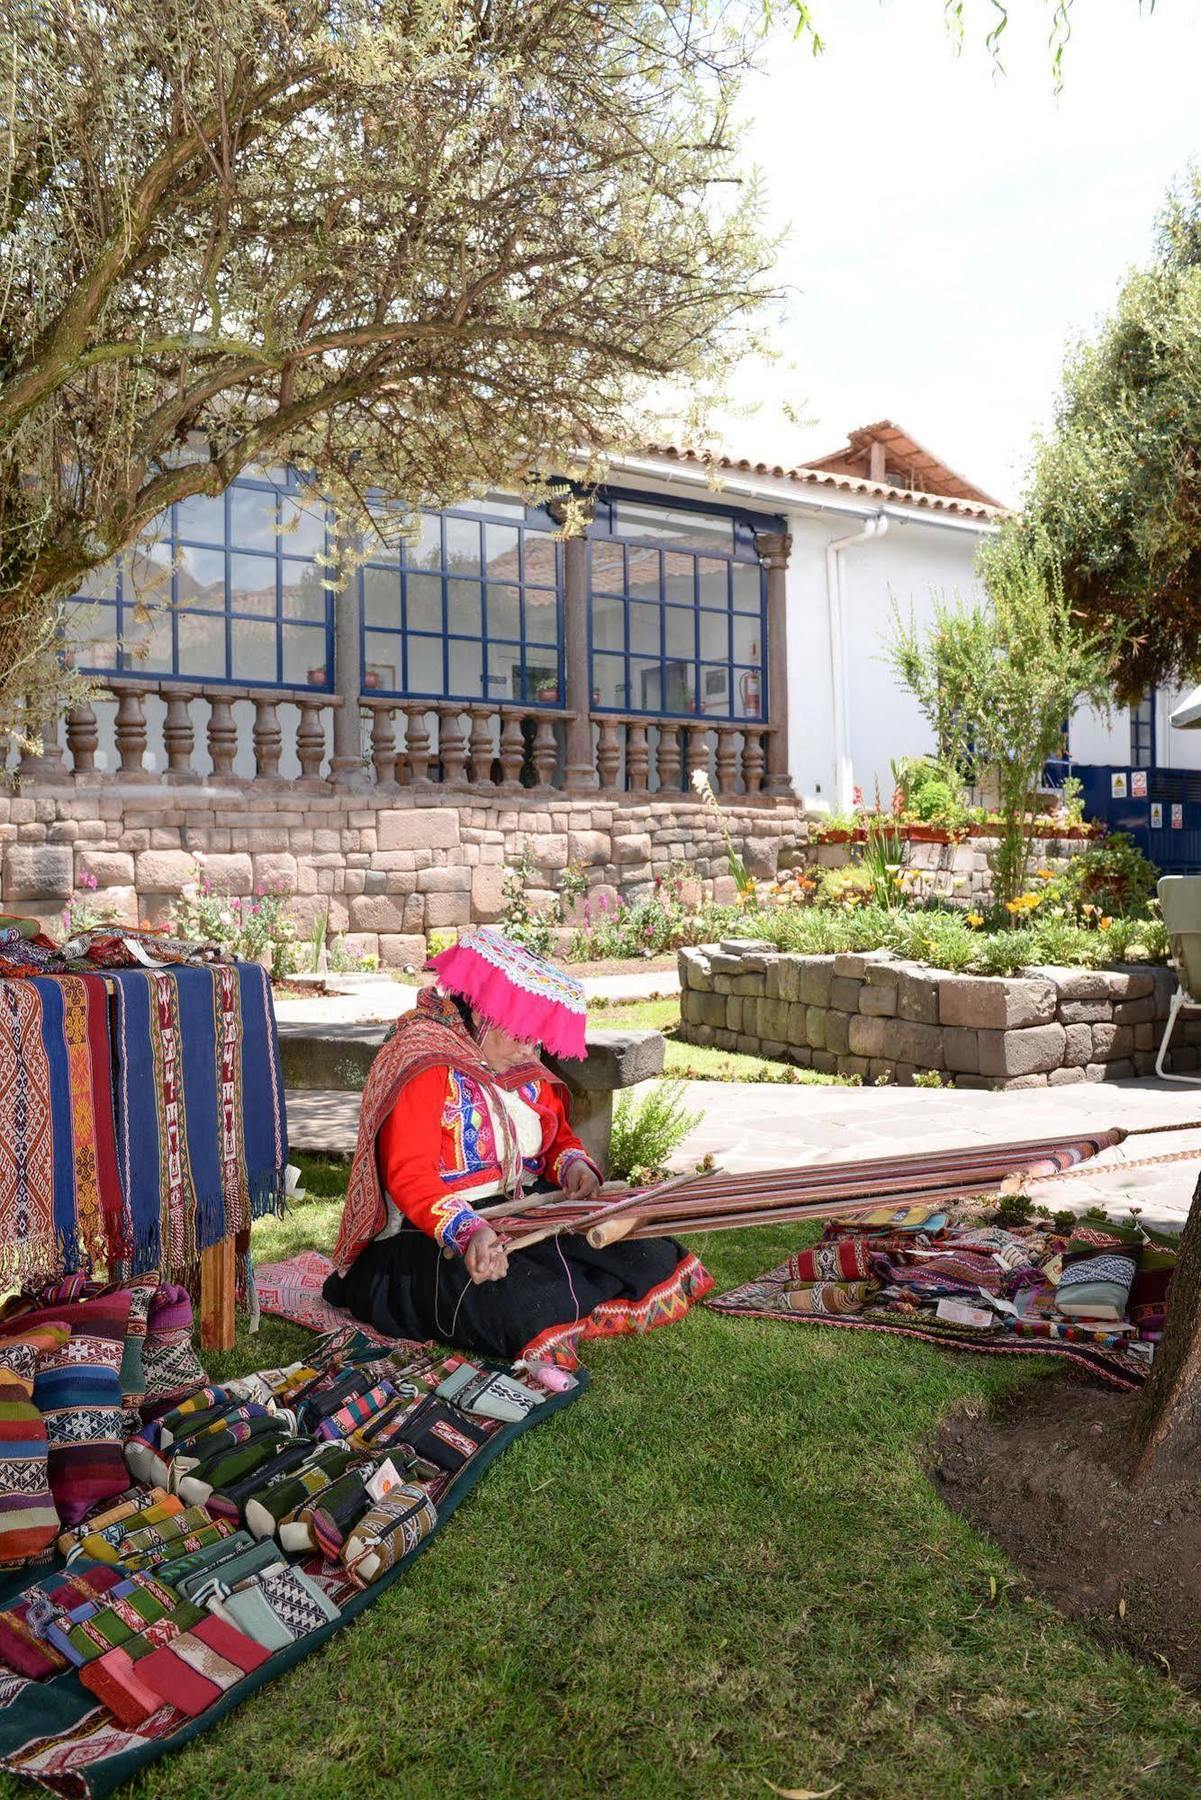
(336,1058)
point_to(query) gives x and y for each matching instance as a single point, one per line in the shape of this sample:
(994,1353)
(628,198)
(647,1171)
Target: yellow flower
(1105,924)
(1045,874)
(975,920)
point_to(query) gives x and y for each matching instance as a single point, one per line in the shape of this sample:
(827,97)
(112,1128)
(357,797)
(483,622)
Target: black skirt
(554,1293)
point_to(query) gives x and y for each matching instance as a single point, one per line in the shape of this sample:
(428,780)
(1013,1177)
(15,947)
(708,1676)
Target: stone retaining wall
(387,868)
(883,1019)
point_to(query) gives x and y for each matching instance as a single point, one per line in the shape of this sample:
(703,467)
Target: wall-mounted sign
(1157,815)
(1138,784)
(1177,816)
(1118,785)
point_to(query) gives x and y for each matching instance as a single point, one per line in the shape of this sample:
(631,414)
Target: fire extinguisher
(749,693)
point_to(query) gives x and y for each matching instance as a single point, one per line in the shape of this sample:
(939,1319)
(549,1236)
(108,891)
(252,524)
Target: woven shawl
(431,1036)
(201,1132)
(61,1202)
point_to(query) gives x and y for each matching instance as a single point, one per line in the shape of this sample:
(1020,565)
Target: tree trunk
(1168,1426)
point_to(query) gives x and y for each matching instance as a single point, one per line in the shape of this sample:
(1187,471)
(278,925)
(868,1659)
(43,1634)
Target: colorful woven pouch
(28,1516)
(387,1533)
(843,1259)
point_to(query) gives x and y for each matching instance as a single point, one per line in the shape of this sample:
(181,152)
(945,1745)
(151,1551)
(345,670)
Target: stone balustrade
(628,744)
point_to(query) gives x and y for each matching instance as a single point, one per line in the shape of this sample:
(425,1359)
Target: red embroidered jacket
(439,1139)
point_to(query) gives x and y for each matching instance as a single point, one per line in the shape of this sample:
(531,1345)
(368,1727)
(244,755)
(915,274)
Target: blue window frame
(677,609)
(232,589)
(1142,732)
(471,610)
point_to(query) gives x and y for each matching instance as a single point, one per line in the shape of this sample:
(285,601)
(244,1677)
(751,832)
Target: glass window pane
(646,685)
(147,575)
(703,531)
(200,579)
(252,518)
(542,616)
(644,628)
(463,613)
(202,518)
(426,553)
(302,527)
(716,693)
(608,680)
(748,587)
(101,584)
(644,573)
(382,667)
(304,592)
(304,656)
(747,639)
(252,585)
(466,667)
(92,632)
(424,599)
(608,566)
(201,644)
(504,611)
(501,505)
(253,650)
(678,574)
(541,679)
(504,672)
(381,597)
(501,547)
(146,642)
(463,546)
(608,624)
(679,688)
(715,634)
(679,624)
(425,665)
(713,582)
(541,562)
(748,694)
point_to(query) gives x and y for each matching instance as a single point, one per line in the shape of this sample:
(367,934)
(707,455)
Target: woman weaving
(458,1111)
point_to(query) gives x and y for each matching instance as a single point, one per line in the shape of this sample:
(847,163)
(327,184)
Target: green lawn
(700,1062)
(723,1568)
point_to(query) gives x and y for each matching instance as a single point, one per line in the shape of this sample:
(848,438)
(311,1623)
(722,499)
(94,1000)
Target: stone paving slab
(745,1126)
(380,1002)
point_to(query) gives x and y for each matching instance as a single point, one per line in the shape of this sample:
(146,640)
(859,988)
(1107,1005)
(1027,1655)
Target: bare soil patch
(1047,1478)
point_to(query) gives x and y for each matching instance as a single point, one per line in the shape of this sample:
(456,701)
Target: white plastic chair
(1180,903)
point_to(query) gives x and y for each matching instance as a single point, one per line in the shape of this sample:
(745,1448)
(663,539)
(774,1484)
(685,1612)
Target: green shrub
(1112,874)
(646,1131)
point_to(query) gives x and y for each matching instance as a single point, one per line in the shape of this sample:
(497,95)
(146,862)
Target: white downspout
(844,778)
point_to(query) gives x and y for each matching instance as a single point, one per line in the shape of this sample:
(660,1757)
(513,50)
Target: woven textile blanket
(201,1134)
(61,1199)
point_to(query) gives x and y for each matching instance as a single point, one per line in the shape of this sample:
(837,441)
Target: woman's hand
(581,1180)
(485,1256)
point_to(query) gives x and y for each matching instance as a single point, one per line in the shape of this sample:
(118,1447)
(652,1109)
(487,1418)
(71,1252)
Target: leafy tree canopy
(1116,486)
(422,246)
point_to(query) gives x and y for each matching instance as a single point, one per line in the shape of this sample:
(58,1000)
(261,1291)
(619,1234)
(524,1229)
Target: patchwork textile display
(107,1664)
(201,1135)
(1096,1299)
(61,1199)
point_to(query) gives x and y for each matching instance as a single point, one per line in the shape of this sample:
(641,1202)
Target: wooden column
(579,771)
(217,1284)
(346,764)
(773,548)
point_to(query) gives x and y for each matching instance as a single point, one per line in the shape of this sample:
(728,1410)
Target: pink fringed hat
(515,990)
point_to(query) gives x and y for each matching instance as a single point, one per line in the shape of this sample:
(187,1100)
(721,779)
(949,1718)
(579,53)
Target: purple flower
(602,901)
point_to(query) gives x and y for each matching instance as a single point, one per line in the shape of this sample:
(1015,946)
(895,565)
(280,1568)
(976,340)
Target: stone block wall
(882,1019)
(385,867)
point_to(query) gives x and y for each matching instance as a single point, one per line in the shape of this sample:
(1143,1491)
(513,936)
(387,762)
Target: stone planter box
(955,866)
(880,1018)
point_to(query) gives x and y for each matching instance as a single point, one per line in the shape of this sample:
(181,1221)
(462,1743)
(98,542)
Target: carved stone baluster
(752,760)
(608,751)
(222,735)
(727,760)
(52,764)
(310,740)
(83,738)
(417,744)
(383,745)
(267,736)
(638,757)
(667,759)
(480,745)
(131,728)
(697,750)
(452,745)
(179,735)
(512,750)
(546,752)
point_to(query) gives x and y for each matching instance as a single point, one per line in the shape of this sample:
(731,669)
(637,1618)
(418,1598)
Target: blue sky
(951,230)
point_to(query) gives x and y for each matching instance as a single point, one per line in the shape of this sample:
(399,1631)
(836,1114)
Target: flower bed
(886,1018)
